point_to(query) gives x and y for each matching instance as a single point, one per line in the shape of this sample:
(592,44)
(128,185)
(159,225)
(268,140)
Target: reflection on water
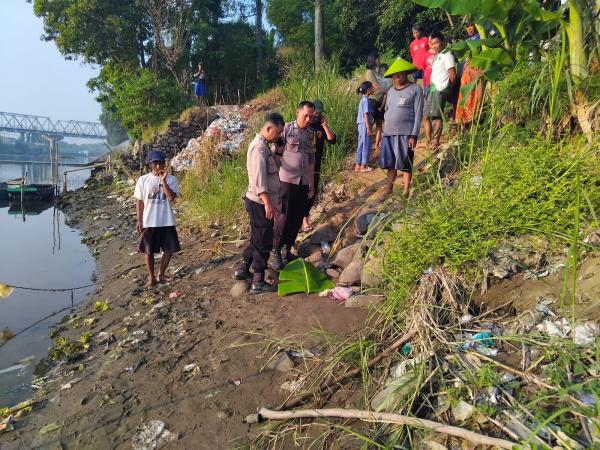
(41,252)
(40,173)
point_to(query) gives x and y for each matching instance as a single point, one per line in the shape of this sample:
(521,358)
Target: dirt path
(124,383)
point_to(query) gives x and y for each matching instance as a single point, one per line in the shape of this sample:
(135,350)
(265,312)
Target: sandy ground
(125,384)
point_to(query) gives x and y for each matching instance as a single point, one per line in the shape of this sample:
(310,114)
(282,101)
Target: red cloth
(418,51)
(428,67)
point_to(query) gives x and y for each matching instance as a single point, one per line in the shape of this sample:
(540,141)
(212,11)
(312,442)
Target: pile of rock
(178,133)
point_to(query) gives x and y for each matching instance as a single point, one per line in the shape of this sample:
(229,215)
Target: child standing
(403,112)
(262,203)
(155,192)
(364,122)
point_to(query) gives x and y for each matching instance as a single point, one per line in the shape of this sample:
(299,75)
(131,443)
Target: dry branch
(369,416)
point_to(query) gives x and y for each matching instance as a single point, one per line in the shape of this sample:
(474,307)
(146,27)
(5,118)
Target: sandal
(367,169)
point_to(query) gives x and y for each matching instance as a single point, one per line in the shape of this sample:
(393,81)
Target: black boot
(242,270)
(275,259)
(287,255)
(260,286)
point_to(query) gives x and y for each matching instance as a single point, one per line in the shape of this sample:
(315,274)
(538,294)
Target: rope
(26,288)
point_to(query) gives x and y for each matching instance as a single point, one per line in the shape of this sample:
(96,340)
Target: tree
(258,32)
(114,127)
(319,38)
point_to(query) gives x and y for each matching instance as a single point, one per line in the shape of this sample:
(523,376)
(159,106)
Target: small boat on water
(30,192)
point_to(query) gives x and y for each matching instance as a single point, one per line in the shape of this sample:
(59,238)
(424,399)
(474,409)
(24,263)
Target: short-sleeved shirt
(263,172)
(371,76)
(403,111)
(428,67)
(298,154)
(439,70)
(418,51)
(364,107)
(157,208)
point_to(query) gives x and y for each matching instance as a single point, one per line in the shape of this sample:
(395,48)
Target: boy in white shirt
(443,79)
(155,192)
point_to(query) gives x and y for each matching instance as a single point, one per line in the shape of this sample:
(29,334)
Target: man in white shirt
(155,192)
(443,79)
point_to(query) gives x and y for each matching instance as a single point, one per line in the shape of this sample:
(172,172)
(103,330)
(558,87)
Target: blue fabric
(395,153)
(200,88)
(363,151)
(364,107)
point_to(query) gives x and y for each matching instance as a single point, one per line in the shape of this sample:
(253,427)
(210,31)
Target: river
(41,251)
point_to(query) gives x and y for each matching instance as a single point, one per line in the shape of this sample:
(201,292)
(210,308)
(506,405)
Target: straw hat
(400,65)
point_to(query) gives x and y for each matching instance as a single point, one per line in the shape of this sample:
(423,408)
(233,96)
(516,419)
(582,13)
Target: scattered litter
(175,294)
(101,306)
(5,290)
(133,253)
(293,386)
(6,424)
(107,235)
(558,328)
(340,293)
(152,435)
(466,318)
(325,247)
(483,339)
(406,349)
(50,427)
(236,381)
(462,411)
(586,333)
(190,367)
(281,362)
(70,384)
(301,354)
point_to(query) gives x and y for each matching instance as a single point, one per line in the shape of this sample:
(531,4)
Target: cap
(319,107)
(400,65)
(156,155)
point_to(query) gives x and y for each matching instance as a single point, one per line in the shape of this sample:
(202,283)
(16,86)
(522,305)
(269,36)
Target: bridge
(24,123)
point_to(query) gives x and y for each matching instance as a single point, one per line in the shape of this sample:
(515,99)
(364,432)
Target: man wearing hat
(403,113)
(320,127)
(155,192)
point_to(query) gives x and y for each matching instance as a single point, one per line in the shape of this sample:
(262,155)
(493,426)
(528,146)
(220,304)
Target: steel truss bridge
(24,123)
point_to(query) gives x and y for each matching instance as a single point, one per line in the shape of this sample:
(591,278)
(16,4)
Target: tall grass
(527,188)
(213,189)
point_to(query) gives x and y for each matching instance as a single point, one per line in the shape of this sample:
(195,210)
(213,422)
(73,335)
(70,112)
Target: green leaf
(474,44)
(492,61)
(302,276)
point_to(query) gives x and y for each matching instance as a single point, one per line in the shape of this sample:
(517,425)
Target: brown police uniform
(263,177)
(296,172)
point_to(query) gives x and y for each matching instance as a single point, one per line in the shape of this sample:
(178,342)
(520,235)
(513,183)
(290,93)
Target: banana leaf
(302,276)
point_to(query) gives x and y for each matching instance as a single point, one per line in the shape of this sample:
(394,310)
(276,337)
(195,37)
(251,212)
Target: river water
(40,251)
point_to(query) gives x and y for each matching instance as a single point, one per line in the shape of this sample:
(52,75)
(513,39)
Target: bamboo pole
(370,416)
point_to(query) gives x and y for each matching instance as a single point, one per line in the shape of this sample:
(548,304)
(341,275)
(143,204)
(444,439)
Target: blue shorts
(395,153)
(200,88)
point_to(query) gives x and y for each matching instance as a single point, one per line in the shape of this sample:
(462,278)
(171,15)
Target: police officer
(296,173)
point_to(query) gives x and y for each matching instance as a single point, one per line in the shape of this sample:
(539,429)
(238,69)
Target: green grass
(528,188)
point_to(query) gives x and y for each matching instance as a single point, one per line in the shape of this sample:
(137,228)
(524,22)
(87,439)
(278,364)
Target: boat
(30,192)
(28,208)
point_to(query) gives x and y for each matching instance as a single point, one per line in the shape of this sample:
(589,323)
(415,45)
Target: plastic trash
(325,248)
(175,294)
(483,339)
(462,411)
(50,427)
(341,293)
(586,333)
(558,328)
(152,435)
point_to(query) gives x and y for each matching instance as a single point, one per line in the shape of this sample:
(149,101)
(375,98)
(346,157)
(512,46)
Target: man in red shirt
(419,49)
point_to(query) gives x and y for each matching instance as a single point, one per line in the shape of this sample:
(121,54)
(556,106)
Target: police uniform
(296,173)
(263,178)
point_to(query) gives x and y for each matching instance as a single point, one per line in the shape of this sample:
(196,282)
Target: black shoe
(275,260)
(259,287)
(288,256)
(242,271)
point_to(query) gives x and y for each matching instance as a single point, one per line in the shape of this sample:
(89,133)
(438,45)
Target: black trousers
(294,198)
(261,236)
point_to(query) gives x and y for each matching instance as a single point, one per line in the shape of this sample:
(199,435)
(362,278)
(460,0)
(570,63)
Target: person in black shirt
(322,133)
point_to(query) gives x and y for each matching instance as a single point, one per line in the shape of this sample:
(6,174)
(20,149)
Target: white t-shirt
(157,209)
(439,70)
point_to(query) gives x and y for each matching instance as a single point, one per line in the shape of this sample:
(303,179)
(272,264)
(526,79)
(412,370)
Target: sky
(34,77)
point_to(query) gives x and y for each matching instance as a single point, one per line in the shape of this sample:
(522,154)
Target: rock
(332,273)
(372,274)
(362,301)
(394,392)
(152,435)
(324,233)
(239,289)
(346,255)
(307,248)
(352,273)
(281,362)
(363,222)
(462,411)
